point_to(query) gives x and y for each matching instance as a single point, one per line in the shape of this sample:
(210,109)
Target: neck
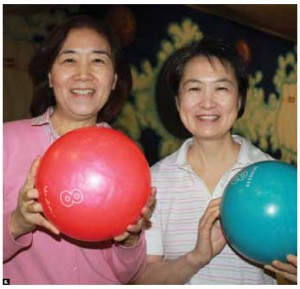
(214,153)
(62,124)
(211,159)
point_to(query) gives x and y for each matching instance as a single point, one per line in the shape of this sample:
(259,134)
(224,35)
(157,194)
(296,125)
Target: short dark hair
(45,55)
(169,78)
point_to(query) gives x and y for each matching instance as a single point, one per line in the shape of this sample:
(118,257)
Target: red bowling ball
(93,182)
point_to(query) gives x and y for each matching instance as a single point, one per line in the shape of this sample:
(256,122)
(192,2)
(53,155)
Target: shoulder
(16,128)
(175,160)
(169,171)
(21,131)
(165,164)
(17,124)
(250,153)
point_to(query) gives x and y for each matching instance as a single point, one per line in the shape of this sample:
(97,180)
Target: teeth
(82,91)
(208,117)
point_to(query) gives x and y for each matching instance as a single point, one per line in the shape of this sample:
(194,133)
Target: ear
(239,103)
(114,82)
(50,80)
(177,102)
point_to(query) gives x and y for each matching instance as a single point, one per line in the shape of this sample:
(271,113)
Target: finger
(148,209)
(270,268)
(34,207)
(213,206)
(277,268)
(152,200)
(31,177)
(212,217)
(146,213)
(153,193)
(43,222)
(292,259)
(292,277)
(286,267)
(121,237)
(136,228)
(206,226)
(30,194)
(211,212)
(216,202)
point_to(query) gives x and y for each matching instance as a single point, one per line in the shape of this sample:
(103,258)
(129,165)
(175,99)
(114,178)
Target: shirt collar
(44,118)
(181,158)
(248,153)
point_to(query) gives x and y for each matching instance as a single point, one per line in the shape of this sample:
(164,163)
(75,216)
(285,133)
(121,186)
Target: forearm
(177,271)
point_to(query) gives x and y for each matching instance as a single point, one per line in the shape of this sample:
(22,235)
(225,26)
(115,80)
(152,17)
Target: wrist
(15,228)
(195,261)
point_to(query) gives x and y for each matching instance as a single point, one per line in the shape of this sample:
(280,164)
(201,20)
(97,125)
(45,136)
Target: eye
(222,88)
(98,60)
(194,88)
(68,60)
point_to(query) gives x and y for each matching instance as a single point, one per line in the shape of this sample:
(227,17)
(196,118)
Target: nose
(83,72)
(208,100)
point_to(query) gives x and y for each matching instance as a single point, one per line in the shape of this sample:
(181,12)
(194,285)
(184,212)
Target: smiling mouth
(83,92)
(208,117)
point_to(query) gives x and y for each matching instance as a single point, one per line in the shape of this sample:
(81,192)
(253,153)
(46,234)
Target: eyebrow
(72,51)
(192,80)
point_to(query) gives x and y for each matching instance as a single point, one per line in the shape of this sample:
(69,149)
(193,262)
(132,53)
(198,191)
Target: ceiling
(277,19)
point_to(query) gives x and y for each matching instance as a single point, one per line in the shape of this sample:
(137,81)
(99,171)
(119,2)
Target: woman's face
(208,99)
(82,75)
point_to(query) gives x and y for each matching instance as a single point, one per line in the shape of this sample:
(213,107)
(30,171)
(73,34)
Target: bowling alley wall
(149,34)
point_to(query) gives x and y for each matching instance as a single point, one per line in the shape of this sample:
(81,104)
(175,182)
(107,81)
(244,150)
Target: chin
(84,113)
(206,135)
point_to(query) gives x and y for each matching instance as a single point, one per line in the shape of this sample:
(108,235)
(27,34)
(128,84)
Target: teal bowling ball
(258,212)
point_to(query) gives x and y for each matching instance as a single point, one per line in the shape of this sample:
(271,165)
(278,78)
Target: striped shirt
(182,198)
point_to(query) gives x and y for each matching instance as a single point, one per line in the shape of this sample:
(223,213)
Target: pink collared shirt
(40,257)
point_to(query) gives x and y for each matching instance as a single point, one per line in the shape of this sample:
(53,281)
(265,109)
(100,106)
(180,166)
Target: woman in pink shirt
(79,80)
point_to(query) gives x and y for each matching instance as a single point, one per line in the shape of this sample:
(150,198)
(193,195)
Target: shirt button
(75,267)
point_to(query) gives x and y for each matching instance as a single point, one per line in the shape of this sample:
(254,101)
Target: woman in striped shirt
(207,83)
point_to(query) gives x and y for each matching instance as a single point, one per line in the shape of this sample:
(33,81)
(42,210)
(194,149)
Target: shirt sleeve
(11,180)
(128,263)
(154,237)
(10,245)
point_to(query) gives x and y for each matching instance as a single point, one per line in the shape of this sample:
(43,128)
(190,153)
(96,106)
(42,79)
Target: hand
(131,236)
(27,216)
(287,270)
(211,240)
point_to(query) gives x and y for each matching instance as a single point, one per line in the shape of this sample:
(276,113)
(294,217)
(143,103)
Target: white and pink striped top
(182,198)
